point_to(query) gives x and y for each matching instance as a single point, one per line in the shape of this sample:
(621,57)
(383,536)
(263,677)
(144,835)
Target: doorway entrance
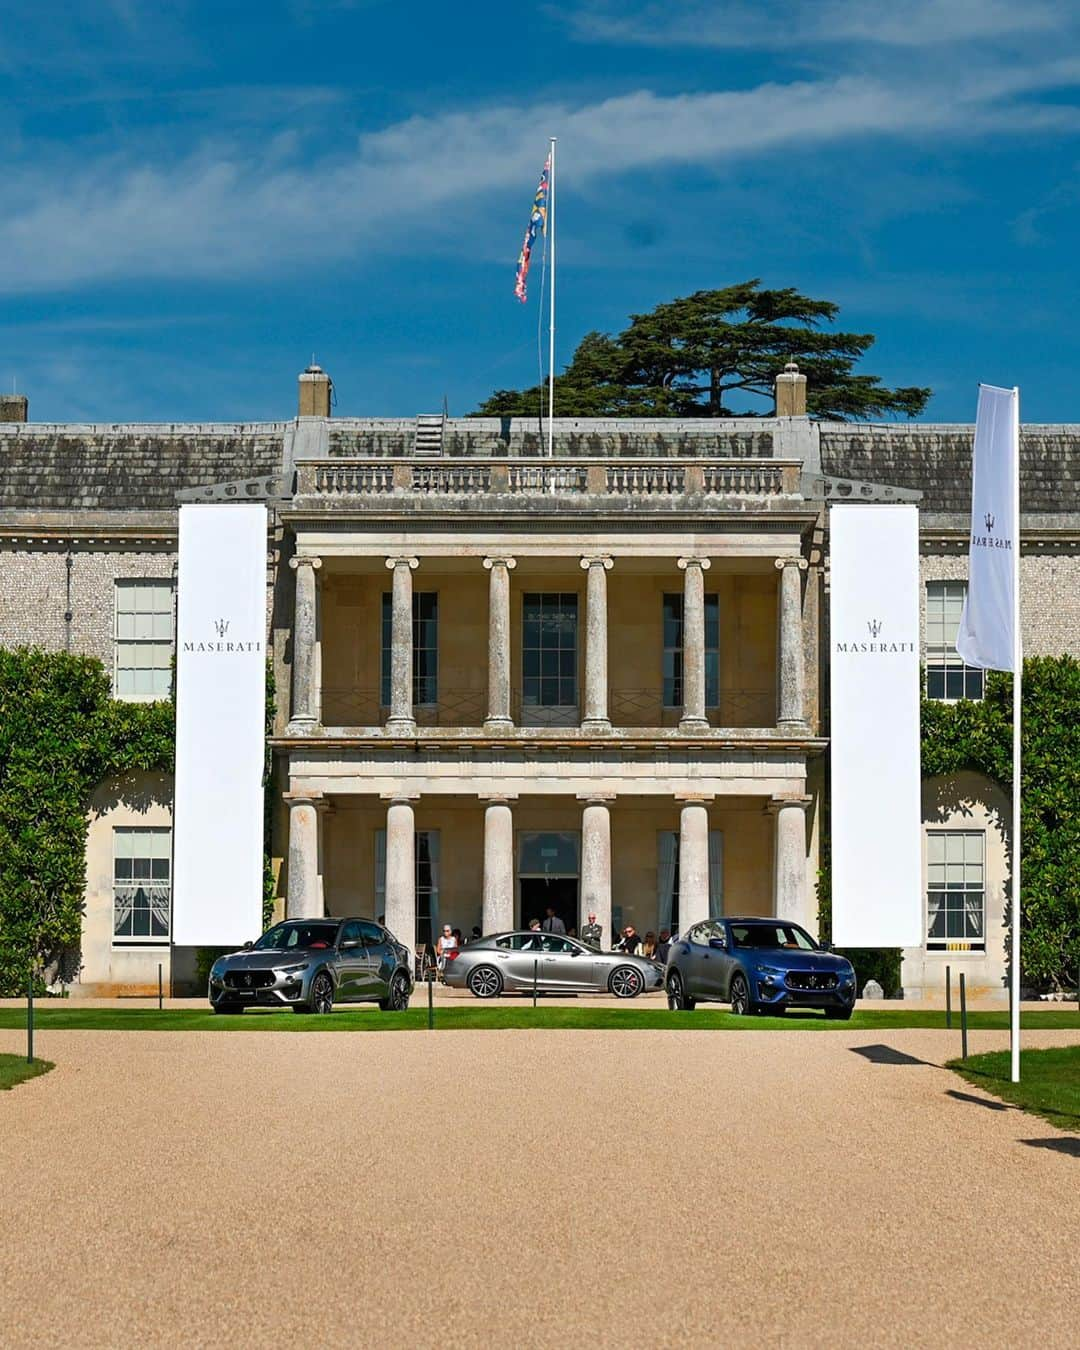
(548,876)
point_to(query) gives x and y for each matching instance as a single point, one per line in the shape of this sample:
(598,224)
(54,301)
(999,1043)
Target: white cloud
(750,24)
(230,209)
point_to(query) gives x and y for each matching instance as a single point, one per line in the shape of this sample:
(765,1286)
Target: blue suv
(758,966)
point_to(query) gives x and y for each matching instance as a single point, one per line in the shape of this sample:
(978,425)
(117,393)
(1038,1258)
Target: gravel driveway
(532,1188)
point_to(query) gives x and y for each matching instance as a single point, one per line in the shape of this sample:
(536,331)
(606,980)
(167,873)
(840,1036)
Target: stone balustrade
(656,479)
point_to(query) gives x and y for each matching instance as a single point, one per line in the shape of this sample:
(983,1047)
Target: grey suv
(309,964)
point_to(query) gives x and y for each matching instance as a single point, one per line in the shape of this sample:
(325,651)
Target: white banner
(874,664)
(987,636)
(220,725)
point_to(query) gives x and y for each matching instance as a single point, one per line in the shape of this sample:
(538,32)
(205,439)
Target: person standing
(630,940)
(552,923)
(592,933)
(663,946)
(446,948)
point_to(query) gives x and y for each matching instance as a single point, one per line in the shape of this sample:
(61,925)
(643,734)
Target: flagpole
(1018,680)
(551,320)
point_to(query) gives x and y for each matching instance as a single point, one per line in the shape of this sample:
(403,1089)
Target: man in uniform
(592,933)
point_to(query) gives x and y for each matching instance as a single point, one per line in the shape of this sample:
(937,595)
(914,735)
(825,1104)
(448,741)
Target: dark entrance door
(560,893)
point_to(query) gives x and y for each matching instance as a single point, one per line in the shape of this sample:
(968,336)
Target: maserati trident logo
(247,979)
(988,521)
(221,627)
(874,625)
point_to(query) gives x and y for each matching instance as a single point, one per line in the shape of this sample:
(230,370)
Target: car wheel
(485,982)
(626,982)
(397,996)
(839,1014)
(322,993)
(678,1000)
(228,1007)
(739,996)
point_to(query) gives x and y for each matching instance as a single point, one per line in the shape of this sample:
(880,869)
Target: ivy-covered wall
(978,736)
(61,734)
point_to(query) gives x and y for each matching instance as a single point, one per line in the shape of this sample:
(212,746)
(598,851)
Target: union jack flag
(537,224)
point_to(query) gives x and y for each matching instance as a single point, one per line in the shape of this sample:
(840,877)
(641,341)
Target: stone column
(498,893)
(596,863)
(791,702)
(498,714)
(693,629)
(401,718)
(596,644)
(303,900)
(401,871)
(693,862)
(305,633)
(790,891)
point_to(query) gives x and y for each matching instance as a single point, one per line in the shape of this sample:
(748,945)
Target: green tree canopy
(688,357)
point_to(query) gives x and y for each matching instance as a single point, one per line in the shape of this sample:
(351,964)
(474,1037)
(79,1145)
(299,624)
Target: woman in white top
(447,943)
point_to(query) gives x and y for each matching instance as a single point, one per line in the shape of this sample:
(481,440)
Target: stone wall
(34,593)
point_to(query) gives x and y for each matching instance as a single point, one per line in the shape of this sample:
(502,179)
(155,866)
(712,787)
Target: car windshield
(297,934)
(772,937)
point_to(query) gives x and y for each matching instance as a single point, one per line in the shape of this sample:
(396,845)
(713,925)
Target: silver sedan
(509,963)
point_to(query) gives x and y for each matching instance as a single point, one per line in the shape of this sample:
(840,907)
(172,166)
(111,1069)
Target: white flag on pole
(987,635)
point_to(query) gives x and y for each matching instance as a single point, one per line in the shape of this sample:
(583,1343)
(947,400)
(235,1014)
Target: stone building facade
(595,682)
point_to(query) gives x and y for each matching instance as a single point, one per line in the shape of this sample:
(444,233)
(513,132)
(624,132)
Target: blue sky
(197,197)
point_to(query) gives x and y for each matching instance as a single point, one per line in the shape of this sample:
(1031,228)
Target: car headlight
(848,976)
(217,971)
(763,969)
(293,970)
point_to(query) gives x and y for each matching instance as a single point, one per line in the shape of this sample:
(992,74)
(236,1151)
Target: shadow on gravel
(981,1101)
(1068,1143)
(885,1054)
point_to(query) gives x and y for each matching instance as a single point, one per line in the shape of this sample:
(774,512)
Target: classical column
(693,862)
(304,636)
(791,703)
(401,871)
(498,714)
(401,647)
(596,681)
(790,891)
(693,643)
(596,863)
(303,900)
(498,893)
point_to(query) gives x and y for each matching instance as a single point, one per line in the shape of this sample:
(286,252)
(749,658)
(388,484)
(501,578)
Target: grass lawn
(14,1069)
(1049,1082)
(502,1017)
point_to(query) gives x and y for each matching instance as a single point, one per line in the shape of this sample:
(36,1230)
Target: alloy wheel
(322,994)
(626,982)
(485,982)
(740,997)
(675,992)
(399,993)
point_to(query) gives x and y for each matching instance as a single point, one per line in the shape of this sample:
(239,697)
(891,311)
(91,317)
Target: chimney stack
(790,392)
(14,408)
(315,388)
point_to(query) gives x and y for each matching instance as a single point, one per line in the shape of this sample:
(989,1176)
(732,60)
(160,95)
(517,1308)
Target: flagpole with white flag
(551,320)
(989,632)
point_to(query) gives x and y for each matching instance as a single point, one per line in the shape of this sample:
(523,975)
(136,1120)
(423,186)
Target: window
(370,933)
(549,651)
(947,677)
(425,670)
(955,890)
(141,888)
(427,882)
(350,933)
(143,639)
(673,651)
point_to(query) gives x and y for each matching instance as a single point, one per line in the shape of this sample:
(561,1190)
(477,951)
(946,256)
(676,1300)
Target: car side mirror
(825,946)
(718,944)
(575,951)
(247,946)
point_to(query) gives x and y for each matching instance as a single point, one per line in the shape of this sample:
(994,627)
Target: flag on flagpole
(537,225)
(987,636)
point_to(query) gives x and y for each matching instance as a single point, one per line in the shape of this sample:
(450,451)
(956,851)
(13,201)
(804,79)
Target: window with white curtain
(428,923)
(667,876)
(141,884)
(955,890)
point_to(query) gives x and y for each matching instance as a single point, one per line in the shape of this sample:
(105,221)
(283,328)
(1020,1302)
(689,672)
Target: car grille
(249,979)
(810,979)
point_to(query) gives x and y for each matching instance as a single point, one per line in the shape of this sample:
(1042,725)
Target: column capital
(404,560)
(402,797)
(603,560)
(703,563)
(800,563)
(500,560)
(302,797)
(305,560)
(777,803)
(497,798)
(695,798)
(597,798)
